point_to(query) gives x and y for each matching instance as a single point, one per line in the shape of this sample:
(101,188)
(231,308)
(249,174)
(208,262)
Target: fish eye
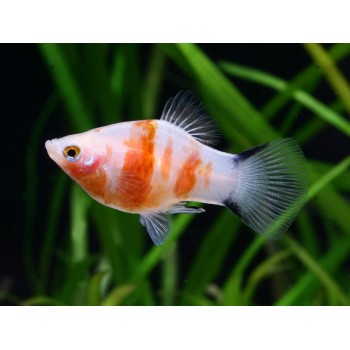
(72,153)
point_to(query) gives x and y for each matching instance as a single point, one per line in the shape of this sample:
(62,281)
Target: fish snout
(49,145)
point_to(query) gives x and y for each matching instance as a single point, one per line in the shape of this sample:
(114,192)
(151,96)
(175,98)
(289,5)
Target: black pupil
(72,152)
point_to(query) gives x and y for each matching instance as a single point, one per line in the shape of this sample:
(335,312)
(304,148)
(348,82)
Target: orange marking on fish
(78,169)
(165,166)
(97,129)
(95,183)
(109,151)
(186,179)
(206,173)
(92,177)
(138,165)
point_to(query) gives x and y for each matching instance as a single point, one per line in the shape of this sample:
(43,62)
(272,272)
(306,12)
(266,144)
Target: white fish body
(153,167)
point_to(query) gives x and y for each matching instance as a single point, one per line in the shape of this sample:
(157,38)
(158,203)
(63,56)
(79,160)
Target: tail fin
(271,187)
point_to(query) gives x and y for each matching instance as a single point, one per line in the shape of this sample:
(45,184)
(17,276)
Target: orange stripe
(91,177)
(206,173)
(109,151)
(80,168)
(134,183)
(186,179)
(166,160)
(95,183)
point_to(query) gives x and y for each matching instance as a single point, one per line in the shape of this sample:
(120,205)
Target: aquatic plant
(99,256)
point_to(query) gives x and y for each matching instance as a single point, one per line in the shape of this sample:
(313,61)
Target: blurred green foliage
(97,84)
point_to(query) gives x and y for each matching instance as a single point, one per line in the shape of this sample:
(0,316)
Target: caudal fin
(271,186)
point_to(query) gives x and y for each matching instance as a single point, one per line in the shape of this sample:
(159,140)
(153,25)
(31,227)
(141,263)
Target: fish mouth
(49,147)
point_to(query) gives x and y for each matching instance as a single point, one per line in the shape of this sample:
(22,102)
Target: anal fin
(157,225)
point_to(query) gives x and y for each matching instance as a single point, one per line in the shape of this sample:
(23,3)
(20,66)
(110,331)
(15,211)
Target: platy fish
(154,167)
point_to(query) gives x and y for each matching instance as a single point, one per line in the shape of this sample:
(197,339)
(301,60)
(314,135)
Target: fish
(156,167)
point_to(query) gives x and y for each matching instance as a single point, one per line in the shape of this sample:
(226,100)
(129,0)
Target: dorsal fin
(187,112)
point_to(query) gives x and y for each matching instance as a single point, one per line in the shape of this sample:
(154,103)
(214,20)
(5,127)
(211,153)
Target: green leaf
(216,245)
(94,290)
(31,198)
(153,82)
(118,295)
(240,121)
(51,231)
(267,268)
(329,177)
(307,285)
(329,283)
(42,300)
(321,110)
(169,276)
(331,71)
(233,285)
(308,77)
(68,85)
(154,255)
(80,203)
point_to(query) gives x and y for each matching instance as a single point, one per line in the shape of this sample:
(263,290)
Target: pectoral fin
(181,207)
